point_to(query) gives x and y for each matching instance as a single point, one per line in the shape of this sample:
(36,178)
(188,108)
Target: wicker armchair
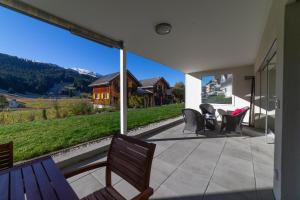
(209,113)
(232,123)
(194,121)
(207,109)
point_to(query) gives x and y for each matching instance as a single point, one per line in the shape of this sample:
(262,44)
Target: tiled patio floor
(187,166)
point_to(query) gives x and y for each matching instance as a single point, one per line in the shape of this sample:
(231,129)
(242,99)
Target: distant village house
(106,90)
(159,88)
(13,104)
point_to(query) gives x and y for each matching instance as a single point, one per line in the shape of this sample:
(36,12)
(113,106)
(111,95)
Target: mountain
(27,76)
(86,72)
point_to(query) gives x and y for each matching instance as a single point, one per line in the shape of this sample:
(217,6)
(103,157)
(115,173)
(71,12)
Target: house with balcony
(226,85)
(159,88)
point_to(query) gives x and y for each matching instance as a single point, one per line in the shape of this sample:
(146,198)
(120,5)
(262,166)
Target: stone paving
(186,166)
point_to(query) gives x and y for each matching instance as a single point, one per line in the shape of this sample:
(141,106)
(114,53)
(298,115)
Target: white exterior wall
(192,92)
(274,30)
(290,139)
(228,91)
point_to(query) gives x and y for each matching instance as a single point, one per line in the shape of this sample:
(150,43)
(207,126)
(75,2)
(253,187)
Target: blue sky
(206,79)
(29,38)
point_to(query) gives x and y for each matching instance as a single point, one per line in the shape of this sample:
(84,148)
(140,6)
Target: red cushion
(237,111)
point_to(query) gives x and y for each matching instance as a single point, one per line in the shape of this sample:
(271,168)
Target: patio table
(35,180)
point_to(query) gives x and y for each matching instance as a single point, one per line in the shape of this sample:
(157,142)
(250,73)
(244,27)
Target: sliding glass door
(271,107)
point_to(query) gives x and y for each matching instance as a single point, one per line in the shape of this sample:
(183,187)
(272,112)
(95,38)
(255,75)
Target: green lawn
(34,109)
(47,103)
(218,100)
(36,138)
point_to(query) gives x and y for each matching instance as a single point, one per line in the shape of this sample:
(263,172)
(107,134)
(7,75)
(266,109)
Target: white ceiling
(207,34)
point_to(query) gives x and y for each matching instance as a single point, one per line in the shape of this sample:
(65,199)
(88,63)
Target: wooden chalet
(159,88)
(106,90)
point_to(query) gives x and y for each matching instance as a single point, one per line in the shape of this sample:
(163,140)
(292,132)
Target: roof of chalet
(143,91)
(150,82)
(105,80)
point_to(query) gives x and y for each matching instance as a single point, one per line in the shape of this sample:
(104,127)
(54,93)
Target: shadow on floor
(208,136)
(262,194)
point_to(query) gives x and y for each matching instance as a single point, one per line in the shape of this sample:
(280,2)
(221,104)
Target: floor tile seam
(90,172)
(117,182)
(170,147)
(94,176)
(254,174)
(210,179)
(86,176)
(203,142)
(176,168)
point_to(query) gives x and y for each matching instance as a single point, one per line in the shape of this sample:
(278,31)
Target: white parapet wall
(192,92)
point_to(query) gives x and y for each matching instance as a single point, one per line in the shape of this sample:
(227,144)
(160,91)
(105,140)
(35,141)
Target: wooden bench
(35,180)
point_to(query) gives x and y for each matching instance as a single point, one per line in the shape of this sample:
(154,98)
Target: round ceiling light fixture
(163,28)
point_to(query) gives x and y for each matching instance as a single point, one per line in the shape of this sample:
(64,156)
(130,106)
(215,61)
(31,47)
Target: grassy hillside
(35,138)
(22,76)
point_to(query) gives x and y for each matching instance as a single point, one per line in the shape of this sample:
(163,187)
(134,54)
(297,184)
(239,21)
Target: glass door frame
(266,69)
(264,66)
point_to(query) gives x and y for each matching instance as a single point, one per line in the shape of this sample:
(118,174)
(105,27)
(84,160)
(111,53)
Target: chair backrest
(243,114)
(131,159)
(207,109)
(190,115)
(193,119)
(6,156)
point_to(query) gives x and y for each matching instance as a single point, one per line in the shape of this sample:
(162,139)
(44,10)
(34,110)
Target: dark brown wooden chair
(129,158)
(6,156)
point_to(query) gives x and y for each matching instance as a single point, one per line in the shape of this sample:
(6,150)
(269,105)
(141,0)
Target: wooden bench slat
(5,159)
(133,168)
(43,182)
(31,186)
(138,160)
(4,187)
(114,193)
(138,149)
(59,183)
(107,194)
(91,197)
(127,167)
(99,195)
(4,154)
(137,183)
(4,165)
(16,185)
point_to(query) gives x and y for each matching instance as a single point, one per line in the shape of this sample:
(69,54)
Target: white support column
(123,92)
(287,148)
(192,92)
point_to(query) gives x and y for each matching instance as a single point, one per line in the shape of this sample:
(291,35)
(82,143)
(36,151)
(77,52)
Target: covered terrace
(206,37)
